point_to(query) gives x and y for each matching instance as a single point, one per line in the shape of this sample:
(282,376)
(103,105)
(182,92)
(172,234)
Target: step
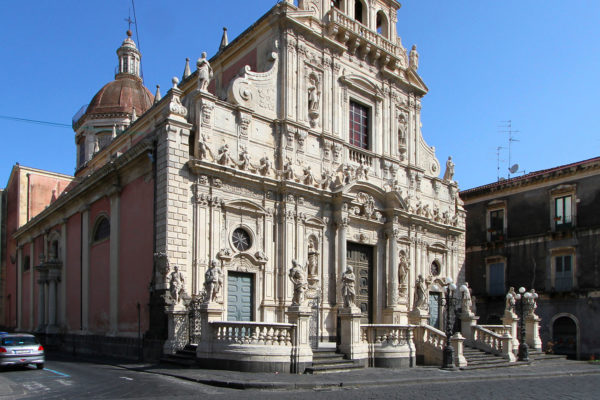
(183,362)
(334,363)
(504,365)
(314,370)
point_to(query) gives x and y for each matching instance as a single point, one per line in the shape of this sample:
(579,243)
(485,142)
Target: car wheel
(39,366)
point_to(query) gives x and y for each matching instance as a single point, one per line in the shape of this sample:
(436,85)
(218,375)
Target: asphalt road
(70,379)
(83,380)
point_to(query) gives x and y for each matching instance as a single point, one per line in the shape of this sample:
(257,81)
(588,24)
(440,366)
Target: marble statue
(265,166)
(313,259)
(298,278)
(421,294)
(413,59)
(449,174)
(176,284)
(202,146)
(223,156)
(205,73)
(466,301)
(348,287)
(213,281)
(313,98)
(511,300)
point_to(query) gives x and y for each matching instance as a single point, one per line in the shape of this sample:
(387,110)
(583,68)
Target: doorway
(564,337)
(360,257)
(240,296)
(434,309)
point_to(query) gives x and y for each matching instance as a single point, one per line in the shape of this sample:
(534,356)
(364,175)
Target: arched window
(102,230)
(358,11)
(382,25)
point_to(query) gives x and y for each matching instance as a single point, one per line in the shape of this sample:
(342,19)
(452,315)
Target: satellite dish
(513,169)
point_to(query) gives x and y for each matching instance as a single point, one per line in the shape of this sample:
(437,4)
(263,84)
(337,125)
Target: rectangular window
(359,125)
(81,152)
(496,225)
(563,273)
(496,285)
(562,215)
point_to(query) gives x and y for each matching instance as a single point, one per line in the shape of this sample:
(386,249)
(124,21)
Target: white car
(21,349)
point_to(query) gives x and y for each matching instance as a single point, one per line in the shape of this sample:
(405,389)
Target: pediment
(362,84)
(415,80)
(438,246)
(245,205)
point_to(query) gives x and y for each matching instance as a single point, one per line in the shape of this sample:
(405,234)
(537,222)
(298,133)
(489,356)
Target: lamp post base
(523,354)
(448,360)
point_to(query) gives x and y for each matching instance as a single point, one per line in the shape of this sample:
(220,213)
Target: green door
(434,309)
(240,297)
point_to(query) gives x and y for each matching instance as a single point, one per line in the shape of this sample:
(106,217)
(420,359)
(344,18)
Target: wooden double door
(360,257)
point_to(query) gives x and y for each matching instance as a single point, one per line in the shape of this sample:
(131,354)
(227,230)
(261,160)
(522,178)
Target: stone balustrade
(499,329)
(390,346)
(430,343)
(255,333)
(491,342)
(360,157)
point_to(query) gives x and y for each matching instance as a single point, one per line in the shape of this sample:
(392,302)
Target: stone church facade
(298,142)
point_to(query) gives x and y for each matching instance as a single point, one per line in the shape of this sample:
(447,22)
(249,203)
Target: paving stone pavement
(371,376)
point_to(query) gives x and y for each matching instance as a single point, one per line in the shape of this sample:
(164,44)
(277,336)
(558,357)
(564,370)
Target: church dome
(121,96)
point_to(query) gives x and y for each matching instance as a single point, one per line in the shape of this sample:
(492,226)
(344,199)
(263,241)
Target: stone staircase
(478,359)
(183,358)
(328,361)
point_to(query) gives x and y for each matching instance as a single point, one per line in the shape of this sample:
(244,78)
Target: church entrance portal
(360,257)
(240,296)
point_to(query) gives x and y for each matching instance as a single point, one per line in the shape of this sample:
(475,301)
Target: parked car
(21,349)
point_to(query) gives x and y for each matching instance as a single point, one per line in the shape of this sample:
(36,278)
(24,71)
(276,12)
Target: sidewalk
(367,376)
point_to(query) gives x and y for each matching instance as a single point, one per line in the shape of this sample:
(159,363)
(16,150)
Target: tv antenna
(498,160)
(508,129)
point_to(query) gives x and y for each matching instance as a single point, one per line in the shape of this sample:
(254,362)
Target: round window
(241,239)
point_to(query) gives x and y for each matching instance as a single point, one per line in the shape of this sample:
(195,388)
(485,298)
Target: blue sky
(536,63)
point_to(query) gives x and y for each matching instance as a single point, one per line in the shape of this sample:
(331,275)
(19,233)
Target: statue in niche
(421,294)
(511,300)
(313,259)
(413,59)
(176,284)
(265,166)
(348,287)
(213,281)
(205,73)
(402,270)
(298,278)
(449,173)
(223,156)
(313,97)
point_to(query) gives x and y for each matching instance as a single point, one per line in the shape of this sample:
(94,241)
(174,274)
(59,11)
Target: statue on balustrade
(511,300)
(421,294)
(348,287)
(213,281)
(298,278)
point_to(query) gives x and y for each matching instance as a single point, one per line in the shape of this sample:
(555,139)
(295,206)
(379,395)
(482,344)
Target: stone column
(302,353)
(351,337)
(41,303)
(532,332)
(52,282)
(85,267)
(115,212)
(511,319)
(342,226)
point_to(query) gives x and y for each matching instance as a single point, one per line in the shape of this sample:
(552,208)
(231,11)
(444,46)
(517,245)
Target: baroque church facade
(298,143)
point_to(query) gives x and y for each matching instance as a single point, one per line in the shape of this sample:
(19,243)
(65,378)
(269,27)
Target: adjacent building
(540,231)
(298,141)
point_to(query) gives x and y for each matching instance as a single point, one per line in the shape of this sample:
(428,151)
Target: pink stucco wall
(135,257)
(12,223)
(26,290)
(99,304)
(73,272)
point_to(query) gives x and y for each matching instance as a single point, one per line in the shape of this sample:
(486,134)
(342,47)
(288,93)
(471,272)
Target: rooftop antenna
(507,126)
(137,38)
(498,161)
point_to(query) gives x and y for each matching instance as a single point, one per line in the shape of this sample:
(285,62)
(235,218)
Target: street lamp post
(449,302)
(522,297)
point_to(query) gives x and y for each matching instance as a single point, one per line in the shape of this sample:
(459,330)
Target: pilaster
(115,221)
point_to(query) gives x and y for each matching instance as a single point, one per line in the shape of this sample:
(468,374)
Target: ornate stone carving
(314,99)
(223,156)
(176,293)
(175,107)
(403,270)
(244,120)
(449,173)
(265,166)
(413,59)
(421,294)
